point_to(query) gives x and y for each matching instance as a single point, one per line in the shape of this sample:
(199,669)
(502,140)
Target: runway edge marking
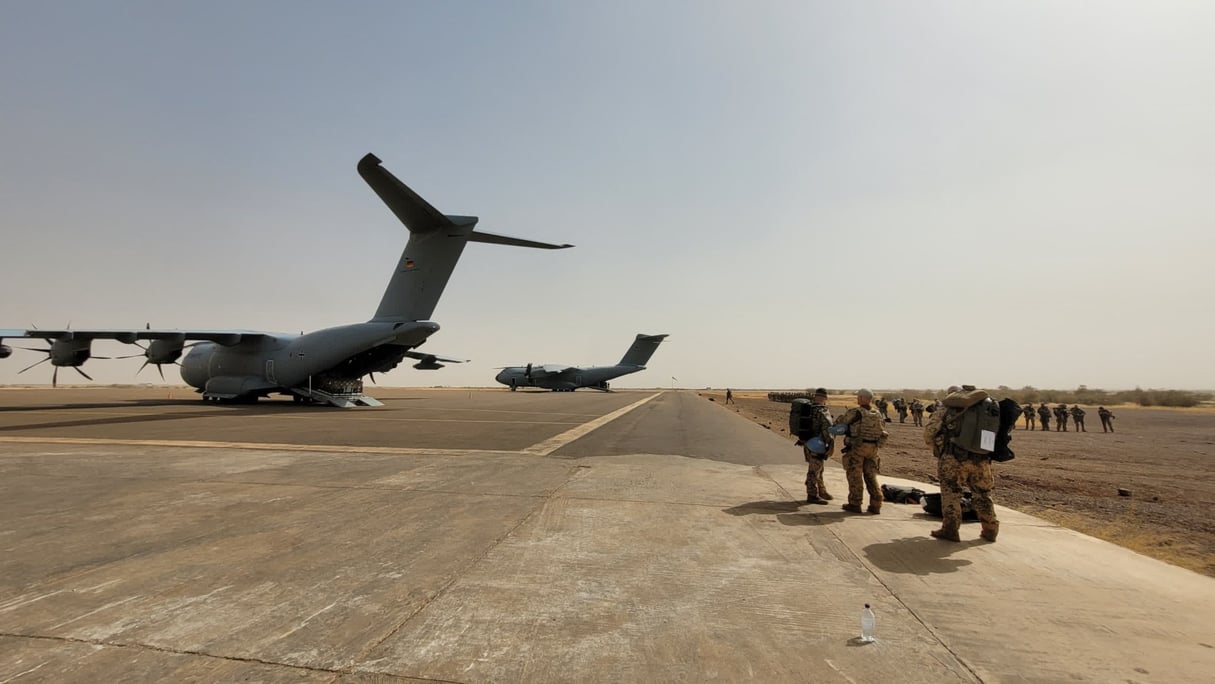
(554,443)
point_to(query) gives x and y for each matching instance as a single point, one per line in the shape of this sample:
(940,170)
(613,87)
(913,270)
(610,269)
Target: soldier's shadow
(918,555)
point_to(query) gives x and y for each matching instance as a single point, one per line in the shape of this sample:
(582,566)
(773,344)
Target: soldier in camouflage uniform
(1107,419)
(1044,416)
(883,406)
(861,460)
(900,407)
(1061,418)
(1030,414)
(917,412)
(816,489)
(958,468)
(1078,417)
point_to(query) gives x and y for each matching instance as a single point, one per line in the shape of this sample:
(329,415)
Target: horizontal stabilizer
(423,356)
(512,241)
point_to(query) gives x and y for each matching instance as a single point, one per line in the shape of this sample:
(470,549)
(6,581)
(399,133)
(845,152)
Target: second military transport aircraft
(326,366)
(560,378)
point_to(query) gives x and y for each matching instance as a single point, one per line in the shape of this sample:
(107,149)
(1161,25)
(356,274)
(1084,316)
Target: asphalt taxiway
(472,536)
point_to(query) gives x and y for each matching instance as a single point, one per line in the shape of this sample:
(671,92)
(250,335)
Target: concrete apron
(505,567)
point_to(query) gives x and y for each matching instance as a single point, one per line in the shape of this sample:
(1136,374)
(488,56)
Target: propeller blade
(372,376)
(45,351)
(86,375)
(145,365)
(129,356)
(55,377)
(32,365)
(161,369)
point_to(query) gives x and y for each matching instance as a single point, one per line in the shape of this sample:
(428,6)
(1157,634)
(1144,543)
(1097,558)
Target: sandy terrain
(1166,457)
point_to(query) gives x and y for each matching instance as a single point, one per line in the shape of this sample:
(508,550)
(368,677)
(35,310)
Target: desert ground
(1165,457)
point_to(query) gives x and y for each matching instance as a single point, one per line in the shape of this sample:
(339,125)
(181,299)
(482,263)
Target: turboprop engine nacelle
(5,351)
(164,351)
(70,352)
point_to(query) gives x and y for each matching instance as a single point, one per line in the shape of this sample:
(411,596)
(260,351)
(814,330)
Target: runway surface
(475,536)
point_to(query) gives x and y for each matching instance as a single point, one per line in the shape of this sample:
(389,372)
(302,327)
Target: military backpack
(973,423)
(801,418)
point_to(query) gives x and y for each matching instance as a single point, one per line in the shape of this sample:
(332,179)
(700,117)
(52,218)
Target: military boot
(990,531)
(851,508)
(946,535)
(875,508)
(826,496)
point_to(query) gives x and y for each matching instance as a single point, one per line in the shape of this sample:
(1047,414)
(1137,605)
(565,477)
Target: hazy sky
(890,194)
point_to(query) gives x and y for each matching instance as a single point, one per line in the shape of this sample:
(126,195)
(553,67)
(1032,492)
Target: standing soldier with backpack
(861,460)
(1028,410)
(1078,418)
(1107,419)
(917,412)
(1044,416)
(811,423)
(1061,418)
(883,406)
(963,451)
(900,407)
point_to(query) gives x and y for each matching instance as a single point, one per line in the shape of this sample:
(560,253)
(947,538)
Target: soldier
(861,460)
(820,422)
(958,468)
(884,407)
(1061,418)
(729,396)
(900,406)
(917,412)
(1107,418)
(1030,414)
(1044,416)
(1078,418)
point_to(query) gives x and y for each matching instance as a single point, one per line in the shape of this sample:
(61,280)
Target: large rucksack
(801,418)
(974,423)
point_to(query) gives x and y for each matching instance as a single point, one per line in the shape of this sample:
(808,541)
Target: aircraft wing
(224,337)
(546,370)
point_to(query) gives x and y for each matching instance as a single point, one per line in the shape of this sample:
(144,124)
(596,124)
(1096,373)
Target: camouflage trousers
(1079,423)
(973,473)
(862,465)
(815,487)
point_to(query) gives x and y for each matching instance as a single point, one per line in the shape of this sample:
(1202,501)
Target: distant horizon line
(838,390)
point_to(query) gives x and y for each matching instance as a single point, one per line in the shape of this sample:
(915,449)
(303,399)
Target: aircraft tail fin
(641,350)
(436,241)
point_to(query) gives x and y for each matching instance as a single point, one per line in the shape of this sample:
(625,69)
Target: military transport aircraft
(326,366)
(569,378)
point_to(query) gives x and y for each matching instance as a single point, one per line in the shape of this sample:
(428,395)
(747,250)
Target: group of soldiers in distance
(1042,414)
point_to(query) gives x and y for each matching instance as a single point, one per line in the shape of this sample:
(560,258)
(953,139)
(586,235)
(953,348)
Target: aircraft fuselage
(595,377)
(282,362)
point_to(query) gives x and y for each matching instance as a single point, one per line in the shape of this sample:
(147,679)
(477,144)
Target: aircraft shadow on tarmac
(198,412)
(763,507)
(98,405)
(918,555)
